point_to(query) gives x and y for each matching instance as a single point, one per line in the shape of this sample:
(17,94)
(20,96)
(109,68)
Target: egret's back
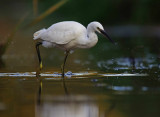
(62,32)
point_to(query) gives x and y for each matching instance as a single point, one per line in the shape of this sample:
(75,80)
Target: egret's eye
(98,28)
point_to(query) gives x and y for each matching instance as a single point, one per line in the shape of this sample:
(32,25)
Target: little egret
(68,35)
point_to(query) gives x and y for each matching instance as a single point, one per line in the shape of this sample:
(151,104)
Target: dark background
(134,25)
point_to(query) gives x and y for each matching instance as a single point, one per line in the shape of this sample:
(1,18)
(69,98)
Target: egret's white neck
(91,37)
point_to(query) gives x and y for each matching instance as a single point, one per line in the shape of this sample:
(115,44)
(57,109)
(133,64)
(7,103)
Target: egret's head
(93,26)
(97,27)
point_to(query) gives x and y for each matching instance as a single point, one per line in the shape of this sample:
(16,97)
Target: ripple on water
(147,62)
(69,74)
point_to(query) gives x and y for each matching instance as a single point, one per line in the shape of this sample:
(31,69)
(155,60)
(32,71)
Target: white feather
(69,35)
(39,34)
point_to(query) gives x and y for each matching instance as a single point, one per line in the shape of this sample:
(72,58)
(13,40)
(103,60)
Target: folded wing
(63,32)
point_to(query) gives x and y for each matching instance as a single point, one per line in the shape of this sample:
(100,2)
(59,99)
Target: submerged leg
(63,65)
(38,53)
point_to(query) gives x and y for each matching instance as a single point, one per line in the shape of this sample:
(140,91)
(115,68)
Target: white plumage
(69,35)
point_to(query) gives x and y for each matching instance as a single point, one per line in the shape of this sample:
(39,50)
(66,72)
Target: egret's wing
(63,33)
(61,37)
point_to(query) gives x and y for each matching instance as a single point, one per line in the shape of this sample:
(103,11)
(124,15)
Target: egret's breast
(48,44)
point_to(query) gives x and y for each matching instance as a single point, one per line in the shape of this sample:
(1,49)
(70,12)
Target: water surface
(81,94)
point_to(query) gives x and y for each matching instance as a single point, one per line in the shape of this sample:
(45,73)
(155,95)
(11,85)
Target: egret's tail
(38,34)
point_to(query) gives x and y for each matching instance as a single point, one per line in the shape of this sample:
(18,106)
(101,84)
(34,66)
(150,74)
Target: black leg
(63,65)
(38,53)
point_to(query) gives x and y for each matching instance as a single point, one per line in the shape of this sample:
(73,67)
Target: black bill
(106,35)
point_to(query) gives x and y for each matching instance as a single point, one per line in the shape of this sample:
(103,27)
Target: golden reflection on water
(78,95)
(69,105)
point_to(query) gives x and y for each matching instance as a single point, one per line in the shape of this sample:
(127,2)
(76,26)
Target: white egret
(68,35)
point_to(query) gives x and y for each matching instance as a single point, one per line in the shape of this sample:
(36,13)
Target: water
(110,85)
(113,87)
(81,94)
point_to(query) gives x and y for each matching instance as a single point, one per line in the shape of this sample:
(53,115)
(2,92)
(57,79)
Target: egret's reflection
(39,93)
(68,105)
(65,87)
(38,105)
(40,89)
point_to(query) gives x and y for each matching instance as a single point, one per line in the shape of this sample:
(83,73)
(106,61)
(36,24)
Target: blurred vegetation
(46,13)
(133,24)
